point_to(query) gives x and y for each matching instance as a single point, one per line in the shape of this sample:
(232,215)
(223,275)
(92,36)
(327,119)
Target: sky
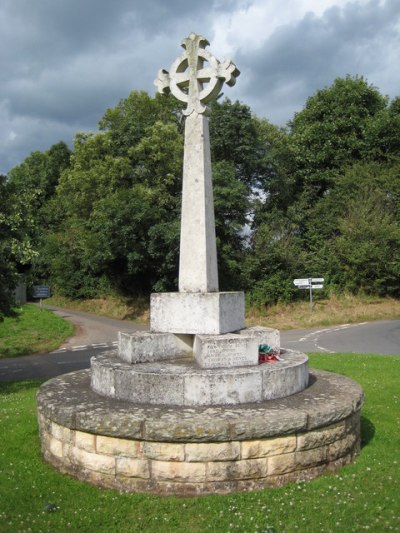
(64,62)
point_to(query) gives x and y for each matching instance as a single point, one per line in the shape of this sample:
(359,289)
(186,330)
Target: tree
(120,200)
(329,133)
(41,171)
(130,118)
(383,134)
(235,138)
(314,184)
(277,257)
(16,249)
(368,246)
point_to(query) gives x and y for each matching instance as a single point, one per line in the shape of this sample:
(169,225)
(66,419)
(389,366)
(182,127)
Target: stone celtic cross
(196,78)
(188,75)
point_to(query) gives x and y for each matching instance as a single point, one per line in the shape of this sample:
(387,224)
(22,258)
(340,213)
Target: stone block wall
(199,467)
(188,451)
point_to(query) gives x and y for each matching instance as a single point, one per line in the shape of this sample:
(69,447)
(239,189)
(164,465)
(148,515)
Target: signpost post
(309,283)
(41,291)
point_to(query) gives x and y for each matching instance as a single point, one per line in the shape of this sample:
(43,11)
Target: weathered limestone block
(212,451)
(264,448)
(133,387)
(126,466)
(93,461)
(85,441)
(320,437)
(61,432)
(177,471)
(342,447)
(281,379)
(102,377)
(229,350)
(164,451)
(263,335)
(281,464)
(56,447)
(211,313)
(118,447)
(227,470)
(142,346)
(312,457)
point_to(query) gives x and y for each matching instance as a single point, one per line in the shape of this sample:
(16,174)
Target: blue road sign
(41,291)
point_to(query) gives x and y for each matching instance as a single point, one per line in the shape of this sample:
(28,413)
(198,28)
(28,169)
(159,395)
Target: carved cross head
(196,77)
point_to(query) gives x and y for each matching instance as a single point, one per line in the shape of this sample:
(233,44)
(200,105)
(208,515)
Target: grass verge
(119,307)
(32,330)
(361,496)
(344,309)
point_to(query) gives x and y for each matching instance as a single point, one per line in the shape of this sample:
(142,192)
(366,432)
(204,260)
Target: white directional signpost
(310,284)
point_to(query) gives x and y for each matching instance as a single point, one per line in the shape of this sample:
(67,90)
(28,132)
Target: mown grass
(362,496)
(32,330)
(342,309)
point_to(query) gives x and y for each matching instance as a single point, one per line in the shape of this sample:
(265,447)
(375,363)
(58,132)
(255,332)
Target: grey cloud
(65,62)
(299,59)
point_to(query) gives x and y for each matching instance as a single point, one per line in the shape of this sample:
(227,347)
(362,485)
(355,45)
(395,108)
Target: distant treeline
(320,197)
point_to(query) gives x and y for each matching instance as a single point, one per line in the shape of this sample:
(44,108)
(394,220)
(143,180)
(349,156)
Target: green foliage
(8,272)
(235,138)
(115,211)
(128,121)
(16,248)
(334,179)
(368,240)
(276,260)
(330,132)
(40,172)
(318,198)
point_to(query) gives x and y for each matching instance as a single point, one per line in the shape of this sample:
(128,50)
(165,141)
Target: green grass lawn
(362,496)
(32,330)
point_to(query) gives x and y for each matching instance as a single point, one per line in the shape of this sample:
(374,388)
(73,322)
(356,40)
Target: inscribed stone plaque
(212,351)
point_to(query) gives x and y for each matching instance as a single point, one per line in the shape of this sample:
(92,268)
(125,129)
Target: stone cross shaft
(196,78)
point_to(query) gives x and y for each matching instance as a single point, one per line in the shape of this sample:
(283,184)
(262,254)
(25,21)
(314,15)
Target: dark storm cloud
(301,58)
(64,62)
(58,50)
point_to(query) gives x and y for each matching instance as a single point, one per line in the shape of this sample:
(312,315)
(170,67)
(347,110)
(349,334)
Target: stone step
(210,351)
(182,382)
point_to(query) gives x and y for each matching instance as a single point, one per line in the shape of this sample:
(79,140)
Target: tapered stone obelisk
(196,78)
(198,269)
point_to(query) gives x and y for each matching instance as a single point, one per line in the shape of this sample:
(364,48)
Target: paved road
(91,329)
(93,334)
(96,334)
(382,337)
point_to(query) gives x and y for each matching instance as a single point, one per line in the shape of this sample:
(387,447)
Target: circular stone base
(170,450)
(181,382)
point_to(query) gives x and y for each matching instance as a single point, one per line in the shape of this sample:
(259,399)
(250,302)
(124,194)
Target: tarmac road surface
(382,337)
(96,334)
(93,335)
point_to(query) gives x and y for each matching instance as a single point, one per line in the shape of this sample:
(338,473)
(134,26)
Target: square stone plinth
(143,346)
(213,351)
(193,313)
(263,335)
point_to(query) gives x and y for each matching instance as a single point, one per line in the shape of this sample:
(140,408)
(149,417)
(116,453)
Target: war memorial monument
(187,408)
